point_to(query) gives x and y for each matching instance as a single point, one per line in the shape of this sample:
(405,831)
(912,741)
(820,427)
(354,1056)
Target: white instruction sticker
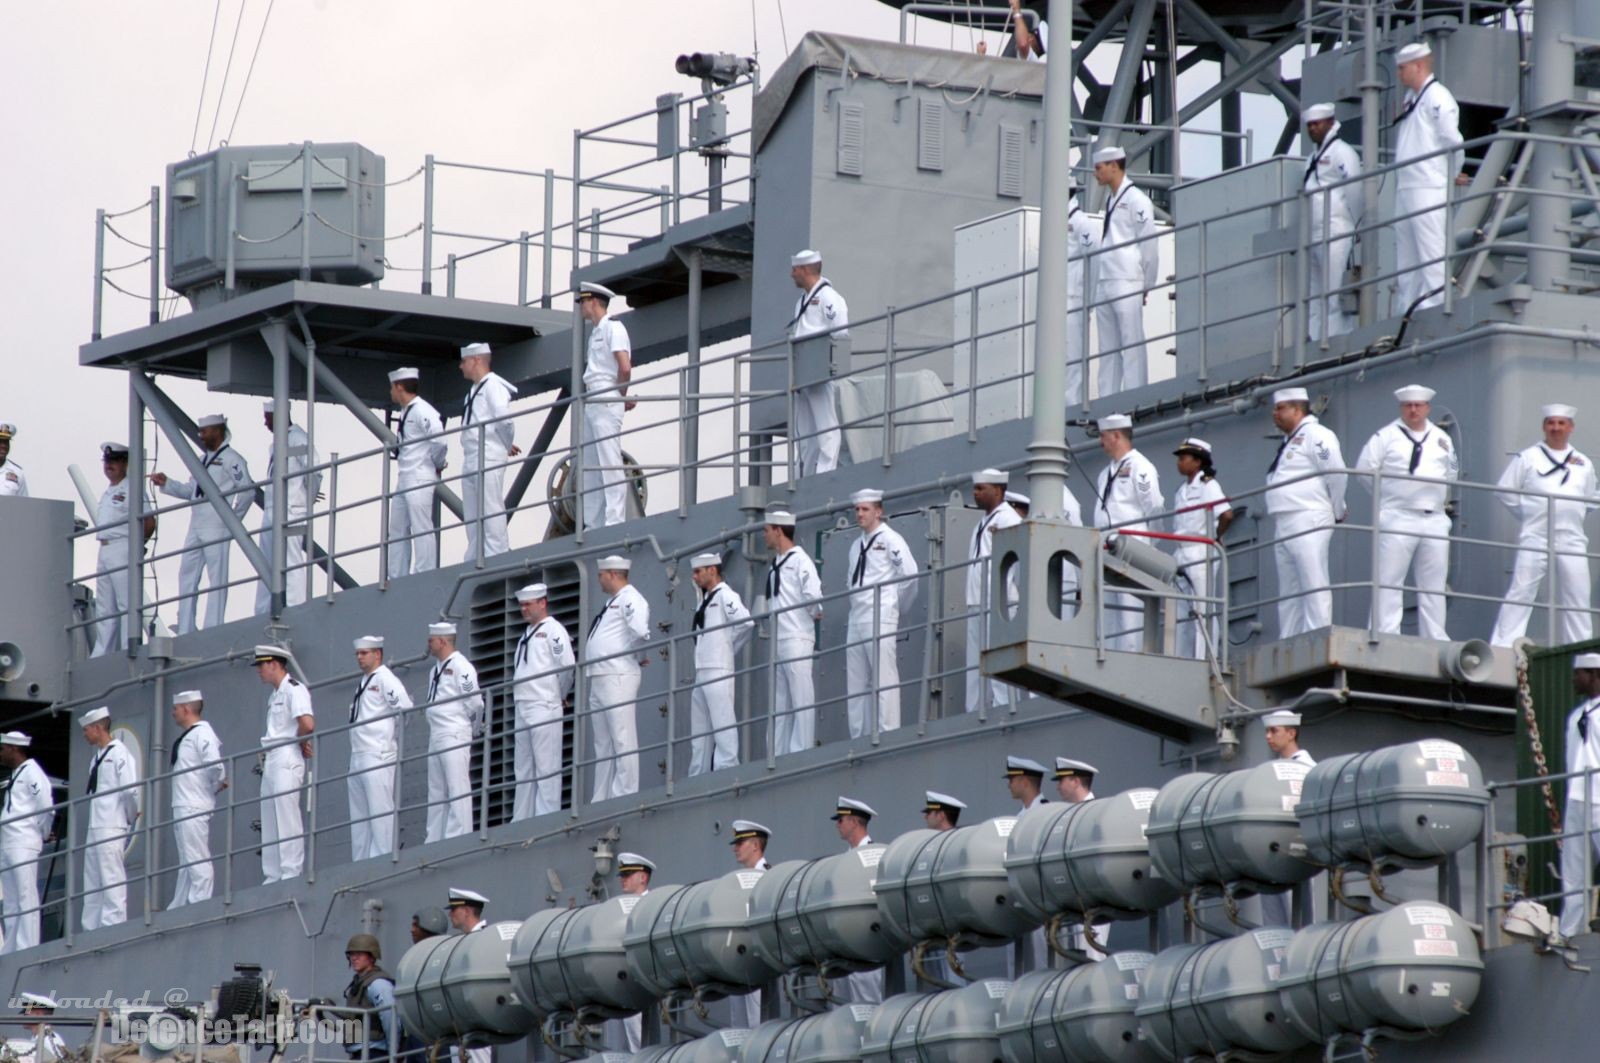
(1434,748)
(1003,825)
(1272,937)
(628,902)
(1440,989)
(862,1012)
(997,988)
(1420,914)
(1142,799)
(507,931)
(1289,769)
(748,879)
(733,1038)
(1447,778)
(1133,961)
(1131,990)
(1291,802)
(870,857)
(1435,932)
(1436,948)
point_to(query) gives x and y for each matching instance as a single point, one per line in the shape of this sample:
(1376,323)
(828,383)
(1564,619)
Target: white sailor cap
(1114,420)
(1023,766)
(1414,393)
(187,697)
(460,897)
(405,372)
(1281,718)
(533,592)
(94,716)
(849,806)
(109,451)
(7,430)
(1412,52)
(15,738)
(369,642)
(1290,395)
(1195,445)
(212,420)
(991,476)
(628,863)
(614,563)
(1317,112)
(475,350)
(1066,766)
(1018,498)
(745,829)
(866,494)
(807,257)
(937,802)
(1559,409)
(444,627)
(781,517)
(1585,660)
(599,291)
(37,1000)
(1112,154)
(706,561)
(267,406)
(265,653)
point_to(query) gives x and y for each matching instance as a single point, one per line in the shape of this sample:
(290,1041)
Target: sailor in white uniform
(1333,214)
(617,634)
(1281,730)
(722,626)
(1553,467)
(487,436)
(419,458)
(111,520)
(303,486)
(851,818)
(882,573)
(1025,782)
(25,824)
(1127,495)
(989,495)
(1201,511)
(544,670)
(283,765)
(1583,754)
(26,1049)
(607,368)
(794,599)
(1429,122)
(820,309)
(374,751)
(114,807)
(749,845)
(1303,512)
(206,547)
(13,482)
(1075,785)
(1411,514)
(466,915)
(634,873)
(1083,239)
(455,715)
(1126,274)
(199,774)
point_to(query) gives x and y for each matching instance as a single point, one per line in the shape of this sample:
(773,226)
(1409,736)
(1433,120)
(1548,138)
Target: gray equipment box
(267,188)
(819,359)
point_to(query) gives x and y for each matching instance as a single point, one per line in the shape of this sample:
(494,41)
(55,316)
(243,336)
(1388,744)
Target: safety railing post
(478,498)
(873,652)
(672,709)
(450,276)
(99,273)
(684,473)
(666,207)
(547,252)
(427,225)
(1332,277)
(487,762)
(1377,582)
(774,650)
(383,520)
(888,388)
(1552,618)
(1302,286)
(155,254)
(229,271)
(310,833)
(1446,267)
(72,876)
(231,778)
(594,236)
(972,365)
(333,518)
(1201,294)
(522,268)
(793,458)
(984,702)
(305,211)
(400,758)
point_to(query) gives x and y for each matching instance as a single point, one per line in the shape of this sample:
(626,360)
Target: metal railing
(1490,843)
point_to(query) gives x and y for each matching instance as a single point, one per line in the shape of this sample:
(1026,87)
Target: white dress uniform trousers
(455,709)
(374,757)
(25,819)
(722,625)
(1412,524)
(543,679)
(870,662)
(485,445)
(302,488)
(794,595)
(622,626)
(111,579)
(1083,237)
(816,415)
(1569,476)
(1430,121)
(605,483)
(283,773)
(1333,220)
(1303,516)
(977,598)
(197,771)
(418,459)
(230,473)
(1127,493)
(1197,505)
(113,811)
(1125,275)
(1579,853)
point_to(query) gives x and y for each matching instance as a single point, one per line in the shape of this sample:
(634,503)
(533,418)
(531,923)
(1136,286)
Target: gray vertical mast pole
(277,337)
(132,620)
(1549,83)
(691,429)
(1047,454)
(1371,121)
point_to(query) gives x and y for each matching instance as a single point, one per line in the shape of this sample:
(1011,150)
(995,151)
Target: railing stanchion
(427,225)
(888,389)
(333,518)
(99,273)
(155,254)
(547,252)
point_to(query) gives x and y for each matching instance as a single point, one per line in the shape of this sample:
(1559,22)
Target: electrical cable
(252,68)
(200,104)
(222,90)
(783,28)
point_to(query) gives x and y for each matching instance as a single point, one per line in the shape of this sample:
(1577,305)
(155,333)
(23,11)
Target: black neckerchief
(600,615)
(977,536)
(472,396)
(1583,717)
(179,742)
(861,562)
(527,636)
(1290,438)
(434,677)
(775,573)
(1105,224)
(400,432)
(355,702)
(1111,482)
(700,613)
(1416,446)
(1412,106)
(806,299)
(94,769)
(1557,466)
(1322,149)
(214,457)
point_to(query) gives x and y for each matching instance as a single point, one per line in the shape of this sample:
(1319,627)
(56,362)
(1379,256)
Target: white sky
(101,96)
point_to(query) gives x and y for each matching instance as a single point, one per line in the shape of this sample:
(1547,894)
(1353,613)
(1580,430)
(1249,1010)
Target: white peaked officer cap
(112,450)
(15,738)
(1110,155)
(866,494)
(1317,112)
(781,517)
(534,591)
(1559,409)
(1414,393)
(1115,420)
(849,806)
(1023,766)
(628,863)
(265,653)
(1281,718)
(591,288)
(473,350)
(1586,660)
(94,716)
(187,697)
(444,628)
(745,829)
(1195,444)
(807,257)
(405,372)
(706,561)
(369,642)
(212,420)
(1016,497)
(937,802)
(991,476)
(615,563)
(1413,51)
(38,1000)
(1290,395)
(1065,766)
(459,897)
